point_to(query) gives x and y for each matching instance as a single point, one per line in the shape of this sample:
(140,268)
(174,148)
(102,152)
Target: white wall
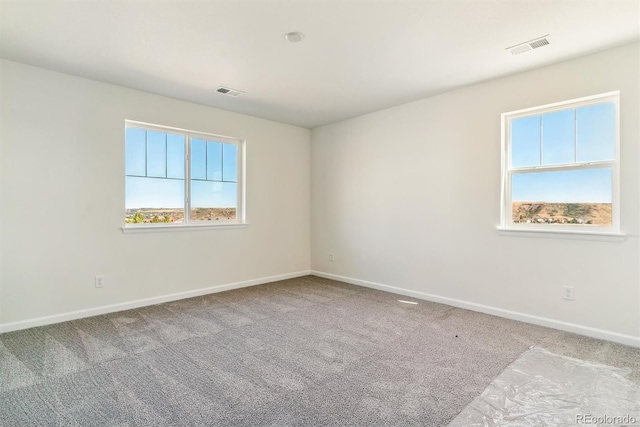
(62,199)
(410,197)
(406,197)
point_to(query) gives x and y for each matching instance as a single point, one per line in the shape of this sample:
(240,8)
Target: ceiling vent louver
(530,45)
(228,91)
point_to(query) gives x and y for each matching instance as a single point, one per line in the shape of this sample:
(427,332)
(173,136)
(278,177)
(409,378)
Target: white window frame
(241,218)
(506,223)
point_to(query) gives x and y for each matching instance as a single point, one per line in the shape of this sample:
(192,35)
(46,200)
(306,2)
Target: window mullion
(541,146)
(146,153)
(566,167)
(187,180)
(508,198)
(575,135)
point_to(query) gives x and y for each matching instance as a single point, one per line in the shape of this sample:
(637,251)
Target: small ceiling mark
(294,37)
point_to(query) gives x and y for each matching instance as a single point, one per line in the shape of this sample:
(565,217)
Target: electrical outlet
(99,281)
(568,293)
(331,257)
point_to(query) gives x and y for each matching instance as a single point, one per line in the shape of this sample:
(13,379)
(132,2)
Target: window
(175,177)
(560,166)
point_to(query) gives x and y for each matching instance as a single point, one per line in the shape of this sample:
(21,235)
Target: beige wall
(62,199)
(410,197)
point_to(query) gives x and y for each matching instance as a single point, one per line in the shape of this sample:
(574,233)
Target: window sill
(564,234)
(153,228)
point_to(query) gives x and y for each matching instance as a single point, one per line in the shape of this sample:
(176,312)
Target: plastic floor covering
(544,389)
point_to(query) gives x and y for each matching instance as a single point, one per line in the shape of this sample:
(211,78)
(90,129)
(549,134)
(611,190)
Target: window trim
(241,217)
(506,225)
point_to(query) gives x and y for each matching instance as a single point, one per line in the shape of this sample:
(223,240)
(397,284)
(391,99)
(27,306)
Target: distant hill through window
(562,213)
(176,215)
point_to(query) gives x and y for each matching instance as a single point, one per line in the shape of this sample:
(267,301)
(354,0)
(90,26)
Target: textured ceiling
(358,55)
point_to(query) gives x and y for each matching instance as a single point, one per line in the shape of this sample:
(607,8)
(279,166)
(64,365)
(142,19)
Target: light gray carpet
(305,351)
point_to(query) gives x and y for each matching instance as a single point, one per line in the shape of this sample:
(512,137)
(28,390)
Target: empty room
(319,213)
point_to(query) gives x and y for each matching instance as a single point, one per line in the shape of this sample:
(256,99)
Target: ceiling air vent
(228,91)
(530,45)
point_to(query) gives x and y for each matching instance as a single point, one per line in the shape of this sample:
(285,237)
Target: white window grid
(508,171)
(189,135)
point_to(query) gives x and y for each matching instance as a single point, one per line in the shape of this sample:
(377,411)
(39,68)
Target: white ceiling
(358,55)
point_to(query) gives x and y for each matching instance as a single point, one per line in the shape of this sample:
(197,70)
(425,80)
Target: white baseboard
(509,314)
(72,315)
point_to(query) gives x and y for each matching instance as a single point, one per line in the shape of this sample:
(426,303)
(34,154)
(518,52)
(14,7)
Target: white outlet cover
(569,293)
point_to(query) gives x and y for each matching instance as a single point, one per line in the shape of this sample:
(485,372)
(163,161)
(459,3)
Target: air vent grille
(539,43)
(530,45)
(229,92)
(520,49)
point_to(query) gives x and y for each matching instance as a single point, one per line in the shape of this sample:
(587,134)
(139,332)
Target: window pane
(175,156)
(213,200)
(156,154)
(214,161)
(198,159)
(230,163)
(597,132)
(135,157)
(525,141)
(558,140)
(154,200)
(566,197)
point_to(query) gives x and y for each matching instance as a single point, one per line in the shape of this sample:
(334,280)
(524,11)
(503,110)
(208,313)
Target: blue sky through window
(579,186)
(525,141)
(597,132)
(584,134)
(558,141)
(213,194)
(155,171)
(135,152)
